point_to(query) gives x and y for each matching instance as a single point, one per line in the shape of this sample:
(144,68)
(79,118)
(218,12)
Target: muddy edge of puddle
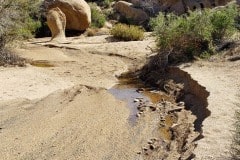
(178,111)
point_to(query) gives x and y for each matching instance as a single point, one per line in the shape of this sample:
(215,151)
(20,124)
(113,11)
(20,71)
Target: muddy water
(41,63)
(176,129)
(130,90)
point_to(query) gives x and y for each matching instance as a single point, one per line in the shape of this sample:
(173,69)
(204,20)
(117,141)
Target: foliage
(235,148)
(223,22)
(107,3)
(102,3)
(18,20)
(98,18)
(127,32)
(196,33)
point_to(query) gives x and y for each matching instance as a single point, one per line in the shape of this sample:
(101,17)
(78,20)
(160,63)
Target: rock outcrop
(127,10)
(78,13)
(56,21)
(152,7)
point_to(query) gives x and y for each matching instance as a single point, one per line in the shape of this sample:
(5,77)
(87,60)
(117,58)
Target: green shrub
(98,18)
(18,20)
(223,22)
(107,3)
(194,34)
(127,32)
(180,34)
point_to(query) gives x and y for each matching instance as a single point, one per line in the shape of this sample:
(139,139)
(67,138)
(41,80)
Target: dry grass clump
(8,58)
(198,33)
(127,32)
(90,32)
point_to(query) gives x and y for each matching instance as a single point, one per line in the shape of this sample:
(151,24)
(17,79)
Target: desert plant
(98,18)
(107,3)
(18,20)
(9,58)
(194,34)
(180,34)
(127,32)
(223,22)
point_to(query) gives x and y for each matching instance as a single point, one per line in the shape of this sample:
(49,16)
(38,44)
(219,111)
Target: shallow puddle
(130,89)
(41,63)
(128,95)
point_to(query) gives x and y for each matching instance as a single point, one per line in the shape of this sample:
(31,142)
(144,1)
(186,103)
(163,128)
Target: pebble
(162,125)
(150,141)
(140,90)
(154,139)
(141,109)
(162,120)
(136,100)
(138,115)
(145,148)
(174,126)
(153,108)
(180,104)
(154,91)
(152,147)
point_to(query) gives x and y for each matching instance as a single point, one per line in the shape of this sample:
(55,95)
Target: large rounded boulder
(56,21)
(77,12)
(127,10)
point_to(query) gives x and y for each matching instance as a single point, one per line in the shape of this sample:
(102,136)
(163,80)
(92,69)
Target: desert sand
(66,112)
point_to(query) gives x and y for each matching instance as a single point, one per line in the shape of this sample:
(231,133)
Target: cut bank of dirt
(86,122)
(222,80)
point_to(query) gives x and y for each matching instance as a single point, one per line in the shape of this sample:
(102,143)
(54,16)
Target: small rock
(145,148)
(141,109)
(180,104)
(139,152)
(150,141)
(140,90)
(154,91)
(153,108)
(162,120)
(150,103)
(138,115)
(153,139)
(174,126)
(152,147)
(108,25)
(162,125)
(136,100)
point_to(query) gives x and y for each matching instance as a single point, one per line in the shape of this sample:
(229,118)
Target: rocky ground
(60,107)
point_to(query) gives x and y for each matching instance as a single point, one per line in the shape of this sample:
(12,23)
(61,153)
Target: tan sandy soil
(222,80)
(41,120)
